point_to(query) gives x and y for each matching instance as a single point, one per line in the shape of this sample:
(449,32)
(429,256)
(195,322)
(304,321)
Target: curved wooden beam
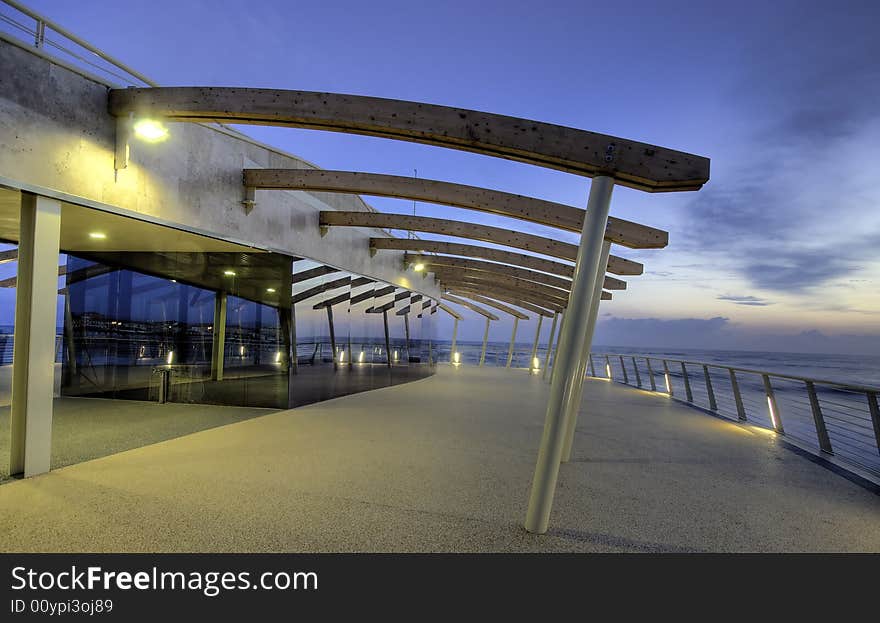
(487,287)
(569,218)
(477,277)
(512,295)
(433,261)
(616,265)
(451,311)
(638,165)
(492,302)
(470,306)
(504,308)
(446,227)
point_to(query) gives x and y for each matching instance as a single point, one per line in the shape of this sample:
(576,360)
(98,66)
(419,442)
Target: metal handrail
(43,22)
(844,434)
(856,388)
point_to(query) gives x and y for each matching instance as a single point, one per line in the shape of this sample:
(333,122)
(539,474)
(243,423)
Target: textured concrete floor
(88,428)
(444,464)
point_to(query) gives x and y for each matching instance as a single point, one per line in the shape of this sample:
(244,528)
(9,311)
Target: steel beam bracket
(249,201)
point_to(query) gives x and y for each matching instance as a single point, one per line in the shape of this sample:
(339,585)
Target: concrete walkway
(445,464)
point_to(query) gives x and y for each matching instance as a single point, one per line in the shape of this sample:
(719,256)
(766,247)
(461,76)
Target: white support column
(219,336)
(563,388)
(535,344)
(558,337)
(33,359)
(550,344)
(512,342)
(485,342)
(574,407)
(454,340)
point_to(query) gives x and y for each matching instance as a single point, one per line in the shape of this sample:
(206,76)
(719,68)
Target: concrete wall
(55,132)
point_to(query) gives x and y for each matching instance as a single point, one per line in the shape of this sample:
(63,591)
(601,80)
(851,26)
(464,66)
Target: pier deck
(445,464)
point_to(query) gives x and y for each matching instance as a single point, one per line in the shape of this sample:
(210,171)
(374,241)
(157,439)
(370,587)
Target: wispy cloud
(744,300)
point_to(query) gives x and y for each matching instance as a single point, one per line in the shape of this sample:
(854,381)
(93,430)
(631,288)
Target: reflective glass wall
(208,340)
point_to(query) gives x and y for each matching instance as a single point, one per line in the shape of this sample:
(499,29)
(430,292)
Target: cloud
(744,300)
(792,204)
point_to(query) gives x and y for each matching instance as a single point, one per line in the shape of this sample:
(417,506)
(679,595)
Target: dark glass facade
(213,328)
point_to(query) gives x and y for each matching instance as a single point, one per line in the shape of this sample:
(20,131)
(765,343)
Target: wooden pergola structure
(607,159)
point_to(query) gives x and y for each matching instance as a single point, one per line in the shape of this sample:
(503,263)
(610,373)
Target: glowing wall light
(608,370)
(150,130)
(536,363)
(419,267)
(361,357)
(342,356)
(278,357)
(241,351)
(456,357)
(97,235)
(668,386)
(170,357)
(396,355)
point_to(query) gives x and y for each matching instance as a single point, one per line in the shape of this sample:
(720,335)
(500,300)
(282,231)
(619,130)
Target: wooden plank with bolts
(631,163)
(569,218)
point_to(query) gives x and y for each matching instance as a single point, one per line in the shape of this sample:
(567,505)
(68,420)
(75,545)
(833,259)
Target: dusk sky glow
(781,248)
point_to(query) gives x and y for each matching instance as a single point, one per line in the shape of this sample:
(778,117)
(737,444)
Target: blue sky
(784,242)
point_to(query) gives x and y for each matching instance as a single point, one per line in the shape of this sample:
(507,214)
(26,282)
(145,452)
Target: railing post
(666,378)
(592,367)
(638,376)
(772,406)
(713,405)
(623,367)
(485,341)
(608,368)
(687,383)
(573,347)
(651,375)
(737,397)
(40,33)
(512,342)
(875,416)
(821,431)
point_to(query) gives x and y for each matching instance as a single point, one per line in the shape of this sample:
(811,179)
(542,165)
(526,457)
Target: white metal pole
(454,338)
(559,337)
(550,344)
(574,407)
(534,355)
(218,341)
(563,389)
(512,342)
(485,342)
